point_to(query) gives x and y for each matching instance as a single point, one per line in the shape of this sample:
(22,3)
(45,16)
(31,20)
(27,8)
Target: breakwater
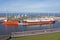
(35,32)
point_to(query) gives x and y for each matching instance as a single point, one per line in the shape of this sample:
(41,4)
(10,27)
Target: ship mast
(54,14)
(6,14)
(48,14)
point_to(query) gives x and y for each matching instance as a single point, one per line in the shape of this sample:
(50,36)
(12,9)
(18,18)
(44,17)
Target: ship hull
(38,23)
(10,23)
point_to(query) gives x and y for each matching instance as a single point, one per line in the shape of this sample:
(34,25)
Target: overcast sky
(39,6)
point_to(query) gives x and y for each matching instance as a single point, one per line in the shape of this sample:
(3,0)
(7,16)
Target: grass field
(3,39)
(52,36)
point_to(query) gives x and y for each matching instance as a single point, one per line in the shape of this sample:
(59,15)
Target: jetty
(57,19)
(35,32)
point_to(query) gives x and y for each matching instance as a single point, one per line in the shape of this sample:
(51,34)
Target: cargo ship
(10,23)
(38,21)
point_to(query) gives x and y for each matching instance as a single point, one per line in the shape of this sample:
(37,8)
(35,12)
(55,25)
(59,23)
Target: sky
(36,6)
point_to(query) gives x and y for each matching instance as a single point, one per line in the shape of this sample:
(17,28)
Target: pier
(36,32)
(57,19)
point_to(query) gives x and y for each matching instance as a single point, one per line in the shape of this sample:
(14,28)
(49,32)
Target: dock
(57,19)
(35,32)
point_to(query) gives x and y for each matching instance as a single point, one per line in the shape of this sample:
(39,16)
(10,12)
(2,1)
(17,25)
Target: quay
(35,32)
(57,19)
(29,33)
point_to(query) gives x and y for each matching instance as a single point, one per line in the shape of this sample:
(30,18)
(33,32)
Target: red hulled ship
(38,21)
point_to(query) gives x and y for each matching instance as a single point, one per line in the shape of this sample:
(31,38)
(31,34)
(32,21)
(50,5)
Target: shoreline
(30,33)
(35,32)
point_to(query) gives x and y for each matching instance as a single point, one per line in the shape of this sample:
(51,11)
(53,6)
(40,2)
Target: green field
(52,36)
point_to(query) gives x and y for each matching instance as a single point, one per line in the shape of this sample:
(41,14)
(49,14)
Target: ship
(38,21)
(10,23)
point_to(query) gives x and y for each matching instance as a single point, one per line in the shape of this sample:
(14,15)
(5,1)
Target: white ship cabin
(47,19)
(2,18)
(38,19)
(32,20)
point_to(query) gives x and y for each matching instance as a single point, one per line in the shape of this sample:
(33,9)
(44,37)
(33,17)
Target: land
(51,36)
(33,35)
(3,38)
(34,32)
